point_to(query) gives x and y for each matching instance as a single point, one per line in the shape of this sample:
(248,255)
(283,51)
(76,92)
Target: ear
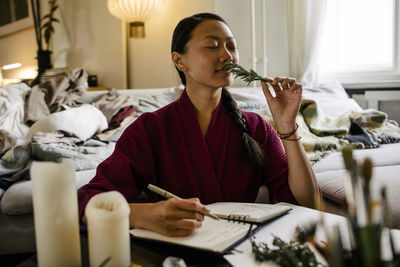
(178,61)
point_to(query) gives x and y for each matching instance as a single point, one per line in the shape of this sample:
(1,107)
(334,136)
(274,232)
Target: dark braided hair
(181,36)
(252,148)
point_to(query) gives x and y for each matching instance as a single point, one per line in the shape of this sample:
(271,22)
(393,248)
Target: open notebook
(219,236)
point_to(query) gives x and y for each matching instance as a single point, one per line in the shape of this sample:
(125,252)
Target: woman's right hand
(172,217)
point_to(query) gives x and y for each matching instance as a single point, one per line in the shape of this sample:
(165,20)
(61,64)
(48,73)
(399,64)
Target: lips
(222,70)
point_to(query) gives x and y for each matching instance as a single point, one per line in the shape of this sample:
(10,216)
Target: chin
(226,82)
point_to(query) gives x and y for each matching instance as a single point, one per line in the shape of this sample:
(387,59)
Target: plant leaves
(47,27)
(47,36)
(285,254)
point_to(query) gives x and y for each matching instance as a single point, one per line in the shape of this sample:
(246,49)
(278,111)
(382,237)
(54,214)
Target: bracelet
(292,139)
(286,136)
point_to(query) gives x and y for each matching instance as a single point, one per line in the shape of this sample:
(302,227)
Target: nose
(226,55)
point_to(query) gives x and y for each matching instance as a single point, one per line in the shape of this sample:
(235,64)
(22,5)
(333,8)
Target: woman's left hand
(285,104)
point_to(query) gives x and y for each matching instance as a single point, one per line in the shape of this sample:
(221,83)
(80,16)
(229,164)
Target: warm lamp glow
(11,66)
(8,67)
(135,12)
(27,73)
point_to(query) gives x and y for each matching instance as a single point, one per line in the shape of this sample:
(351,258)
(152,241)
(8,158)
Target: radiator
(392,108)
(386,101)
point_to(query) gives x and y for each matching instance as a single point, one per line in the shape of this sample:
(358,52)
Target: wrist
(287,130)
(137,217)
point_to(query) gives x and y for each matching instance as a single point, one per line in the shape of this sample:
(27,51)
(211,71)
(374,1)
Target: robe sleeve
(276,169)
(127,170)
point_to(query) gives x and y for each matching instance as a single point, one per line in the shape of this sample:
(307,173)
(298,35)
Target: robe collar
(207,153)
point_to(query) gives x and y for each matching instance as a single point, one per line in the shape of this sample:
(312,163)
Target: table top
(148,253)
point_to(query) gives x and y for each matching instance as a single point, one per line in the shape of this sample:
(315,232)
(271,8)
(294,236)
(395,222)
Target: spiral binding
(237,218)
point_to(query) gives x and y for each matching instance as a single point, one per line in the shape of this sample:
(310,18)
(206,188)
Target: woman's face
(212,44)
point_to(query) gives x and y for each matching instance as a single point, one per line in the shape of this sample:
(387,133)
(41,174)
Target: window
(360,43)
(15,15)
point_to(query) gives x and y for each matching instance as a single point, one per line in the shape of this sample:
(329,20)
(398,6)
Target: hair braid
(252,148)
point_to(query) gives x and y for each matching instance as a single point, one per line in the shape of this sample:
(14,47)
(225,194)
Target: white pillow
(83,122)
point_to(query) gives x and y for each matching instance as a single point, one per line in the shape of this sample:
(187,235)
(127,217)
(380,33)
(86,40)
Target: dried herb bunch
(242,73)
(292,254)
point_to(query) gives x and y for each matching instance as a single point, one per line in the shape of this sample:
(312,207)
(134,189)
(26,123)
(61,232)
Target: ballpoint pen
(167,194)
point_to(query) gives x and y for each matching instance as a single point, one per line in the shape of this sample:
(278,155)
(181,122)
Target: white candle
(55,209)
(107,216)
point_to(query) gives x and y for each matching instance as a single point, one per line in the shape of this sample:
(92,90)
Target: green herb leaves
(242,73)
(285,254)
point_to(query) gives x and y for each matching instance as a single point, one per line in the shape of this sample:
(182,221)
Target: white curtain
(305,21)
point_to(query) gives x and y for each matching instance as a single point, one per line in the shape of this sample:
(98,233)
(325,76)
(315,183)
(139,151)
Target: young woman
(202,147)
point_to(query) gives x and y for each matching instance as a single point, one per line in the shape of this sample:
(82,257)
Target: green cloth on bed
(322,134)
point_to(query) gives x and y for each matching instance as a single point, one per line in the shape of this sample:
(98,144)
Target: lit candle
(55,209)
(107,216)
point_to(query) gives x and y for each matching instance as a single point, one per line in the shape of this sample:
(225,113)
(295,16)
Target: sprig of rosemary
(242,73)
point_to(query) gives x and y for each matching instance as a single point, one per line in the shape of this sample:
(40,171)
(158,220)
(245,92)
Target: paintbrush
(387,222)
(350,179)
(367,174)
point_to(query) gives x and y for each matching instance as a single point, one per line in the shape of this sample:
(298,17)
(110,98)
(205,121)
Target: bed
(324,120)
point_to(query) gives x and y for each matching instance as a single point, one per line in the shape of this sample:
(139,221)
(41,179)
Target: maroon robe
(167,148)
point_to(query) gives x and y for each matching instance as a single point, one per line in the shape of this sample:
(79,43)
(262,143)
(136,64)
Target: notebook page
(215,235)
(254,212)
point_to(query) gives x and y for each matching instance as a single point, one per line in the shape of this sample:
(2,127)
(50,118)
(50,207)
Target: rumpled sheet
(53,92)
(322,134)
(12,126)
(15,164)
(112,102)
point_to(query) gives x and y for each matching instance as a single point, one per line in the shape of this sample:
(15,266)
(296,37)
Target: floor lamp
(134,14)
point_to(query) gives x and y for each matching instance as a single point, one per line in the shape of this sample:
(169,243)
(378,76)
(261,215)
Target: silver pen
(167,194)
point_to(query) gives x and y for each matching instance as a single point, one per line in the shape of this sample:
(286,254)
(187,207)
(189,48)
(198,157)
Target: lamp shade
(133,10)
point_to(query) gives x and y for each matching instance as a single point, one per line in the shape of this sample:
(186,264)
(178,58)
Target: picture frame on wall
(15,15)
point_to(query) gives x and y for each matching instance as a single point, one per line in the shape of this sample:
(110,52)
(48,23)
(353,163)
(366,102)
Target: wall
(18,47)
(150,58)
(88,37)
(237,13)
(91,39)
(150,62)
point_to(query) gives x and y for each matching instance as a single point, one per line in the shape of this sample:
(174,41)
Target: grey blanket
(14,165)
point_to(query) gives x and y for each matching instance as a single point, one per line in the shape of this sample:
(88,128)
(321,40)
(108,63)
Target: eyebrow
(217,38)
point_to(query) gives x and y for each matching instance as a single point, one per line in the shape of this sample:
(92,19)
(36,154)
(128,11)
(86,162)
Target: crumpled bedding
(322,135)
(14,165)
(53,92)
(12,126)
(56,142)
(112,102)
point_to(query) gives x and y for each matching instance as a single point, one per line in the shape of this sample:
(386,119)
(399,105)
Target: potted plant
(44,30)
